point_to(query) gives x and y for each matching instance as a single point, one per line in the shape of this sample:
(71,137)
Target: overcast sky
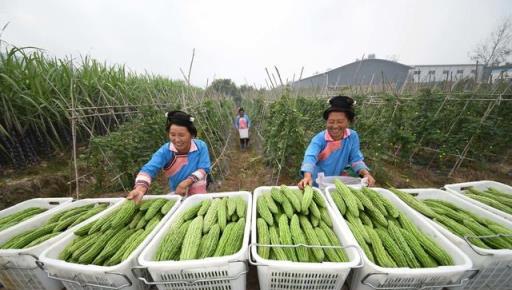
(237,39)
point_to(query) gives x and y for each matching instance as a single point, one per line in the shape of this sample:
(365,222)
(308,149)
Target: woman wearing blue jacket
(331,150)
(184,160)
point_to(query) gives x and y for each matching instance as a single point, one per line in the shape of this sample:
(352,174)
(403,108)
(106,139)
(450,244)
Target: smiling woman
(331,150)
(185,160)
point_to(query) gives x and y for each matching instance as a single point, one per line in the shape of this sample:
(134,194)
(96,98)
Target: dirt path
(246,168)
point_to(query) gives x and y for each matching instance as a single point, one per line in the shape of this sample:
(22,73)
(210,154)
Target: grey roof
(362,72)
(427,65)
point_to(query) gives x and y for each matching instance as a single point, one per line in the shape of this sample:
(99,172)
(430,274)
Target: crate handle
(461,283)
(135,270)
(188,282)
(421,286)
(359,251)
(466,238)
(85,284)
(183,197)
(183,271)
(6,265)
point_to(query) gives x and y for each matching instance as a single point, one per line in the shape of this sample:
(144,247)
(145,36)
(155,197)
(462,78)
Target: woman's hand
(371,180)
(369,177)
(182,188)
(307,180)
(136,194)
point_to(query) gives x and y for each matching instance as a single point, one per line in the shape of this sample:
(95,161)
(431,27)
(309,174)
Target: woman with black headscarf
(331,150)
(185,160)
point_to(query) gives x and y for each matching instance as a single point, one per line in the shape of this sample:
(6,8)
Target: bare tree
(497,48)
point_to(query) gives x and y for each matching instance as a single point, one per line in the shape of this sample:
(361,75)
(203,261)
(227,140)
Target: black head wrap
(341,104)
(181,119)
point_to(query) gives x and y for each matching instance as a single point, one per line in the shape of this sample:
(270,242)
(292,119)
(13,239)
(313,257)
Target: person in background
(243,123)
(331,150)
(184,160)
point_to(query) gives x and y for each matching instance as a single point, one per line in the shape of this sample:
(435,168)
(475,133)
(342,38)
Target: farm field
(74,134)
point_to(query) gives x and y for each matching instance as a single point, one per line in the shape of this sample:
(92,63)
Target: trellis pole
(423,137)
(490,107)
(73,132)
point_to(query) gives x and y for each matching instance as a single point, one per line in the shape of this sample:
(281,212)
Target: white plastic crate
(324,181)
(77,276)
(50,203)
(458,188)
(372,276)
(284,275)
(494,266)
(215,273)
(19,269)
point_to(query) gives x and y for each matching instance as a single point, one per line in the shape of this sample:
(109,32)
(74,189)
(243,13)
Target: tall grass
(36,93)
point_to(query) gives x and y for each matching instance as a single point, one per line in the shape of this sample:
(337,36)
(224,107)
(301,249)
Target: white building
(445,72)
(502,72)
